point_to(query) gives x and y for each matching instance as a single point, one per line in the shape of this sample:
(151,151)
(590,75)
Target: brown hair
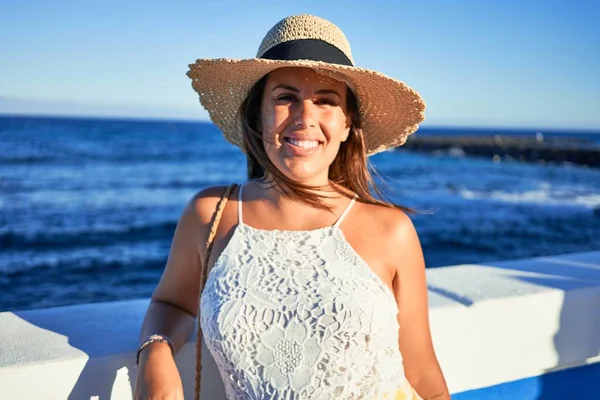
(350,168)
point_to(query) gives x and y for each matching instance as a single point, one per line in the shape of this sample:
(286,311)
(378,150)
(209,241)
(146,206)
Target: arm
(173,307)
(410,289)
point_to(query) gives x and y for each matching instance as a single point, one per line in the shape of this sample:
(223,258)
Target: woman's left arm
(410,289)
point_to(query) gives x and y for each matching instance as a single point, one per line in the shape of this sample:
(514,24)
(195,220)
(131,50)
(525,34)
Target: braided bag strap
(209,243)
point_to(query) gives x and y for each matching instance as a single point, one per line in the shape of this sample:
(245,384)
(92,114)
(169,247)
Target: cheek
(273,119)
(335,125)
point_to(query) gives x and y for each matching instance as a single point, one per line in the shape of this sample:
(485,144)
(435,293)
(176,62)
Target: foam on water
(540,196)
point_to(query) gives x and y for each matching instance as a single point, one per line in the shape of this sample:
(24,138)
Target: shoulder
(203,204)
(392,229)
(195,220)
(389,222)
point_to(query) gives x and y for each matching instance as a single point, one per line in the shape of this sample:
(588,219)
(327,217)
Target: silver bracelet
(155,338)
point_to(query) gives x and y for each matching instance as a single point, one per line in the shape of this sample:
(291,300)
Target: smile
(303,144)
(299,148)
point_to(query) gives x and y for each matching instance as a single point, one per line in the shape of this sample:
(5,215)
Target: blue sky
(476,63)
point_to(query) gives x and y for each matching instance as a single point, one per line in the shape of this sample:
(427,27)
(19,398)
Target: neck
(272,190)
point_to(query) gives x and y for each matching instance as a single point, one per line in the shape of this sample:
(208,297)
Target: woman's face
(304,119)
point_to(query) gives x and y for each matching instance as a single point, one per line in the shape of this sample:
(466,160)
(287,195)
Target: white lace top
(299,315)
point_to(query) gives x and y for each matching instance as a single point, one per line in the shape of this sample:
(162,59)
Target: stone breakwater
(536,149)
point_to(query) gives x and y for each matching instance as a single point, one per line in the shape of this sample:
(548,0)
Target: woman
(315,288)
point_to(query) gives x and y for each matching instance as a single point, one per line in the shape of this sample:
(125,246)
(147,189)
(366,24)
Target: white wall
(491,323)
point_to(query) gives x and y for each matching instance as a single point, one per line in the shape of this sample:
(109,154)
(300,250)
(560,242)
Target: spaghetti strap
(346,211)
(240,221)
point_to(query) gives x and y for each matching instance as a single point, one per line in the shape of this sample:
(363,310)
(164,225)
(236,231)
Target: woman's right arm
(173,307)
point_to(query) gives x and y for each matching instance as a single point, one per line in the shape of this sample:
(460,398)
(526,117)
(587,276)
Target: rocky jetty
(530,149)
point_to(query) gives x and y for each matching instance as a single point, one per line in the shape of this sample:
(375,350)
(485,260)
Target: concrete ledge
(517,319)
(491,324)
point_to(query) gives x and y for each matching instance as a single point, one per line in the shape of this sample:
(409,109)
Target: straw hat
(389,109)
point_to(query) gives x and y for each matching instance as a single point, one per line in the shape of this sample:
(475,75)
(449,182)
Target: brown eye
(327,102)
(286,98)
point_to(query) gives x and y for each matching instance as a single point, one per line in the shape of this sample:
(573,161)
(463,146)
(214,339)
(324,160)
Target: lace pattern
(299,315)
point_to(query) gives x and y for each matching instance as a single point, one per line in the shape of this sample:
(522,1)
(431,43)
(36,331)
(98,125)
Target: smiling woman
(325,102)
(303,114)
(312,284)
(291,114)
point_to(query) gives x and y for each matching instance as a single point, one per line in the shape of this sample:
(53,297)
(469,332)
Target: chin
(306,170)
(303,176)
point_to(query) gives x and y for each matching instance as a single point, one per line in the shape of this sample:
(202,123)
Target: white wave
(539,196)
(592,200)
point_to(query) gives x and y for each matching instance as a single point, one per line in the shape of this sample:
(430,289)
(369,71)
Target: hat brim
(389,109)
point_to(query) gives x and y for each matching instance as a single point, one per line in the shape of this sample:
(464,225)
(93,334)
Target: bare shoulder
(392,236)
(388,223)
(198,213)
(203,204)
(179,284)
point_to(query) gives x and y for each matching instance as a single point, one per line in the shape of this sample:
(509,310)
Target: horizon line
(208,121)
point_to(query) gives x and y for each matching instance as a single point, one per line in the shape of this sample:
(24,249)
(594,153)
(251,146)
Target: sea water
(88,206)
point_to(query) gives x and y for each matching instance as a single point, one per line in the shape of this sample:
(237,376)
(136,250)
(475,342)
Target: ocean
(88,206)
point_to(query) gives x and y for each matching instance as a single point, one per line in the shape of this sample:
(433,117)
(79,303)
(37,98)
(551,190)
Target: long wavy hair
(350,169)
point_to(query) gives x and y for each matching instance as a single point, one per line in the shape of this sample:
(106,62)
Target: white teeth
(305,144)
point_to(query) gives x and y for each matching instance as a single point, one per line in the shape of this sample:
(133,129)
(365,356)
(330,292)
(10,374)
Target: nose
(304,115)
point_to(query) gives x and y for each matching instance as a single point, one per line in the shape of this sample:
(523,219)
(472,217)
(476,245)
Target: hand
(158,377)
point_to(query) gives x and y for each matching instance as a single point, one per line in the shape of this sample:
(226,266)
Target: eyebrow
(293,89)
